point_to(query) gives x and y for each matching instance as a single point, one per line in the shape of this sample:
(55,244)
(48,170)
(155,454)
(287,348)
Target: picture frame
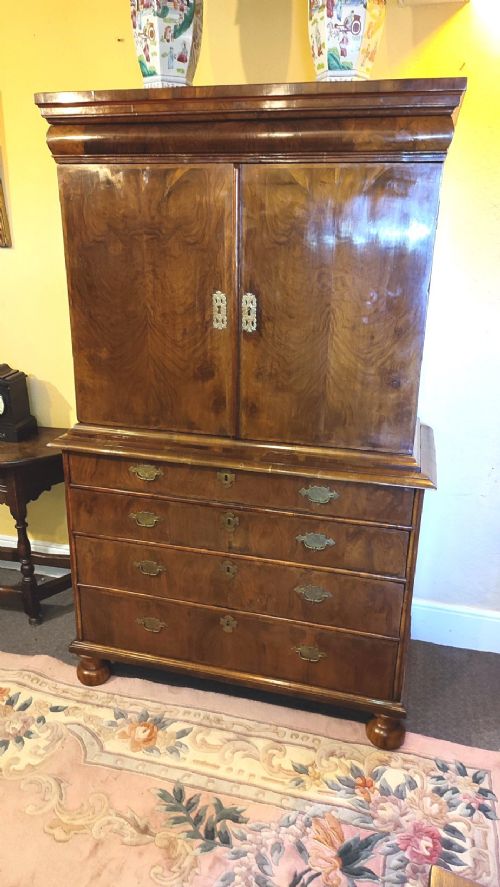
(5,238)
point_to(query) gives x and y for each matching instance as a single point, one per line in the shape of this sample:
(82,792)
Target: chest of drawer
(294,538)
(239,642)
(303,594)
(371,502)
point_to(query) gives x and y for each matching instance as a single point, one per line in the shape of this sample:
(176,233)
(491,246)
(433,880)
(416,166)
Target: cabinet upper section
(374,119)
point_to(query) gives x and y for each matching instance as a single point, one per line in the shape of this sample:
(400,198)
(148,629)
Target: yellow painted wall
(89,46)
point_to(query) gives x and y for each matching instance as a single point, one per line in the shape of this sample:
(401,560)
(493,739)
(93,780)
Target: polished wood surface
(361,547)
(367,502)
(417,470)
(286,121)
(209,558)
(339,258)
(27,469)
(342,600)
(35,449)
(385,732)
(231,639)
(439,877)
(163,239)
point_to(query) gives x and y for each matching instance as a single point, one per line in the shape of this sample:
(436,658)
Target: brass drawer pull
(313,593)
(219,310)
(249,313)
(229,569)
(319,495)
(315,541)
(228,624)
(309,654)
(149,568)
(229,521)
(226,478)
(150,623)
(146,472)
(145,518)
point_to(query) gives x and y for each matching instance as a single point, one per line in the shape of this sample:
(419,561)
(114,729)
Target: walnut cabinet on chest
(248,270)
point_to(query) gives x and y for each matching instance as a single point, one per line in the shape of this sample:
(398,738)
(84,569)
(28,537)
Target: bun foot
(385,732)
(92,672)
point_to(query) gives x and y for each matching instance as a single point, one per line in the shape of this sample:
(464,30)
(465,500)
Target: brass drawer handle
(309,654)
(229,521)
(229,569)
(150,623)
(315,541)
(149,568)
(219,310)
(248,313)
(226,478)
(146,472)
(313,593)
(145,518)
(319,495)
(228,624)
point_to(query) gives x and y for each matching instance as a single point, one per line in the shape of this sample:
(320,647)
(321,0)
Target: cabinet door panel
(148,248)
(339,258)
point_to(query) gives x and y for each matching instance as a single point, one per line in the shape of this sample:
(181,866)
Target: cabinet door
(148,246)
(338,257)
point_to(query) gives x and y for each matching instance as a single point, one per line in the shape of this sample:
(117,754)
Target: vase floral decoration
(344,37)
(167,36)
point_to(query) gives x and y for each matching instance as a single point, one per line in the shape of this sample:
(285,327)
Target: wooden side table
(27,468)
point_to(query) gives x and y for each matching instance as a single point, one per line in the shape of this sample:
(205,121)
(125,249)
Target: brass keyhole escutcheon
(146,472)
(229,569)
(230,521)
(226,478)
(150,623)
(228,624)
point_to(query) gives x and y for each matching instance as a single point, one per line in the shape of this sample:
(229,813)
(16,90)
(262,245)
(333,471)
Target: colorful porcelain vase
(167,37)
(344,36)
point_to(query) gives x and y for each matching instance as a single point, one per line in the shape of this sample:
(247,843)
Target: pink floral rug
(136,783)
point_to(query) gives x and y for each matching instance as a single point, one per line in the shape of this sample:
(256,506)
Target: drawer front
(240,642)
(380,504)
(299,539)
(305,595)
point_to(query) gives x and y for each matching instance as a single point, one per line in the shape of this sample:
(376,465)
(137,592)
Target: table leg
(29,589)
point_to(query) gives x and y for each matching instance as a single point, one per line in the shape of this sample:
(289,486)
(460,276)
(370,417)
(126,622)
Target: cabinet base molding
(95,660)
(385,732)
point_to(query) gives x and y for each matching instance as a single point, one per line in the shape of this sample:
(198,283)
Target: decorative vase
(167,37)
(344,37)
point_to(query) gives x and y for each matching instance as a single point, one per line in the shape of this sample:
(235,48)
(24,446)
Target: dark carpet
(450,694)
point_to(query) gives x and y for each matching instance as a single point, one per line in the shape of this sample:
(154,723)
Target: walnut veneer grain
(244,499)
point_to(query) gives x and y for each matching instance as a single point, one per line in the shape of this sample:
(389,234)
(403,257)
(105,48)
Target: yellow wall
(80,46)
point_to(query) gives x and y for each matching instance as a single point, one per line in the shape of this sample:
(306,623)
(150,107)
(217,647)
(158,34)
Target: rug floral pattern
(231,801)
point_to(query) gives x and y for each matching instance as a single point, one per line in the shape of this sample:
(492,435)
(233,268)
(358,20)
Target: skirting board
(455,625)
(40,547)
(52,549)
(451,626)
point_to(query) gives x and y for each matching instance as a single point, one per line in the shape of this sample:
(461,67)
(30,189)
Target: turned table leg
(386,732)
(29,589)
(92,672)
